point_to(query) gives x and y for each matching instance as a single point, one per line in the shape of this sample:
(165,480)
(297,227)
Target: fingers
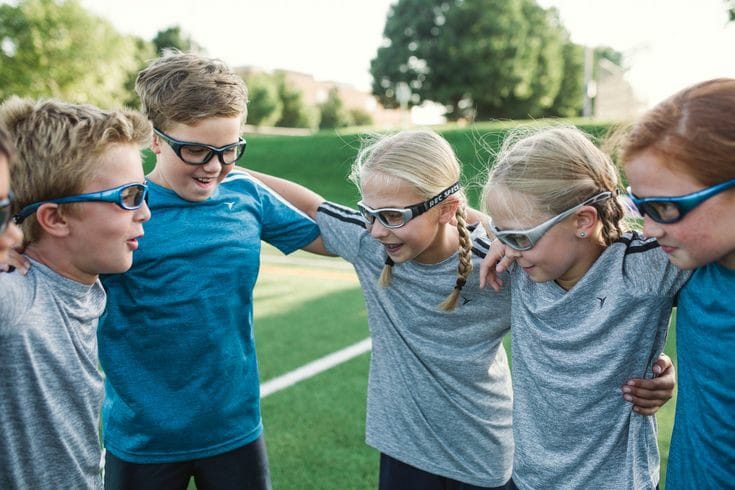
(16,262)
(662,364)
(649,395)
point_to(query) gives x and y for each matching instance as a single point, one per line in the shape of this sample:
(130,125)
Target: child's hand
(494,263)
(16,262)
(648,395)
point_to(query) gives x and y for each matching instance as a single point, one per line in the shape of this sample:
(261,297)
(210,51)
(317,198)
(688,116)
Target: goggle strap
(439,198)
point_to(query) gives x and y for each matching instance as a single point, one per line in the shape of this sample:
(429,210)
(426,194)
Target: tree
(361,117)
(333,113)
(173,37)
(57,49)
(295,113)
(264,105)
(489,58)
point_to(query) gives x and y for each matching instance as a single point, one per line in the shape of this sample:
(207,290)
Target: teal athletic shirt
(176,343)
(702,453)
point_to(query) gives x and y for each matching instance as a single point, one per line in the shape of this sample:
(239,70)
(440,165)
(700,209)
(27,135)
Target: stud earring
(582,234)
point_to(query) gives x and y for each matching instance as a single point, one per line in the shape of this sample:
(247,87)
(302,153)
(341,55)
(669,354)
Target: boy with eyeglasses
(80,189)
(177,345)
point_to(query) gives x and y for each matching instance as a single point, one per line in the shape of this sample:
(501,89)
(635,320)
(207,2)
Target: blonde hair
(58,146)
(7,148)
(187,88)
(426,161)
(693,131)
(556,168)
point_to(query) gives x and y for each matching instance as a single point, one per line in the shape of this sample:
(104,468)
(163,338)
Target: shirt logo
(602,300)
(466,300)
(229,204)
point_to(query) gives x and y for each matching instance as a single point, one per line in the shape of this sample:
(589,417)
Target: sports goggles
(672,209)
(200,153)
(526,239)
(127,196)
(397,217)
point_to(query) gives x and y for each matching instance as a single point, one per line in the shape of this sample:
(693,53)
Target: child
(439,394)
(685,148)
(80,195)
(583,292)
(10,234)
(439,391)
(176,344)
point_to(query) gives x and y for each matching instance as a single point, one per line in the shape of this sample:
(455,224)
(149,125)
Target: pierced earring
(582,234)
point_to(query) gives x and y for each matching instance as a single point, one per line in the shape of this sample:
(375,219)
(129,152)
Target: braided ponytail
(465,261)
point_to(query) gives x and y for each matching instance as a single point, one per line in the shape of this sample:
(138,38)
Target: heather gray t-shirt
(439,394)
(572,352)
(50,388)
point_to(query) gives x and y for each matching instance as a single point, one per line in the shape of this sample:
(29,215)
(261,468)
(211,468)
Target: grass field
(315,429)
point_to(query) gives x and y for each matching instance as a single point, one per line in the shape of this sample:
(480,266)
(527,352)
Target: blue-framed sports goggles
(127,196)
(201,153)
(5,211)
(526,239)
(672,209)
(397,217)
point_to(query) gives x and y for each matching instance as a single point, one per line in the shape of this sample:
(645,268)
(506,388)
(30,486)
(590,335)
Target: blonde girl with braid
(439,393)
(585,292)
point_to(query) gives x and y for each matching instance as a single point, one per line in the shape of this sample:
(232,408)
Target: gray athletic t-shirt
(439,394)
(50,388)
(572,352)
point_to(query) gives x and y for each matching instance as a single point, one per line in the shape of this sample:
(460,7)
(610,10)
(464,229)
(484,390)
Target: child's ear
(586,221)
(155,144)
(448,210)
(52,220)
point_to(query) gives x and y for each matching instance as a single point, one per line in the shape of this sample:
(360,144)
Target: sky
(668,44)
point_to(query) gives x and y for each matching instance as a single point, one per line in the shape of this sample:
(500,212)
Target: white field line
(315,367)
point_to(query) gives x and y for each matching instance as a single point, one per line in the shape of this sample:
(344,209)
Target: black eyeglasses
(397,217)
(5,211)
(128,196)
(672,209)
(201,153)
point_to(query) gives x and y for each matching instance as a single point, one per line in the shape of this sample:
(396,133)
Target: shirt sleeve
(343,230)
(15,296)
(649,272)
(284,226)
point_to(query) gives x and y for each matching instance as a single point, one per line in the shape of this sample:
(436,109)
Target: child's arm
(648,395)
(301,198)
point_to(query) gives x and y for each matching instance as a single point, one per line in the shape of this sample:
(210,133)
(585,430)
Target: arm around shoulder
(300,197)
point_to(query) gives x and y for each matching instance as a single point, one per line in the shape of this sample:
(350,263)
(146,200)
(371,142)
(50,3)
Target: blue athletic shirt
(177,344)
(702,453)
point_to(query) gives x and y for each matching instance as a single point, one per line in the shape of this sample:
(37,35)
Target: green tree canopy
(174,37)
(488,58)
(264,104)
(333,112)
(294,111)
(56,48)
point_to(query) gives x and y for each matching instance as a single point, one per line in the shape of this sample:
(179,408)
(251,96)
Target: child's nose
(651,228)
(377,230)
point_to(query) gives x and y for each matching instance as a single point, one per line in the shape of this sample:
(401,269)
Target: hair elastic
(461,281)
